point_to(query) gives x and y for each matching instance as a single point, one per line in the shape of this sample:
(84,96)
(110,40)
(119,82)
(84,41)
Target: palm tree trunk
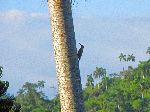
(67,66)
(142,95)
(106,86)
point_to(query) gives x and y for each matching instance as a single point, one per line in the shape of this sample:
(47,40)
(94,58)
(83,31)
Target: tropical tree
(1,71)
(113,75)
(90,81)
(65,52)
(131,58)
(104,77)
(122,57)
(98,73)
(148,50)
(144,68)
(101,73)
(7,102)
(124,94)
(32,98)
(126,59)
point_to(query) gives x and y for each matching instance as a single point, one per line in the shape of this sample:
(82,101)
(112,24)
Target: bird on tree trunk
(80,51)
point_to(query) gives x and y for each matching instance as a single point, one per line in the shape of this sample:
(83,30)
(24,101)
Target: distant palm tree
(130,68)
(113,75)
(122,57)
(148,50)
(104,78)
(96,73)
(131,58)
(1,71)
(90,80)
(100,73)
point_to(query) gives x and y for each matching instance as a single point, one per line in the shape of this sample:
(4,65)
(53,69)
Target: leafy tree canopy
(7,102)
(32,98)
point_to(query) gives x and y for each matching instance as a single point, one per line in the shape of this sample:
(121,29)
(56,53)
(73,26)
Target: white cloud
(18,16)
(13,16)
(39,15)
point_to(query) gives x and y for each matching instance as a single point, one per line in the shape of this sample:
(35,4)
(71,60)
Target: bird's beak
(80,44)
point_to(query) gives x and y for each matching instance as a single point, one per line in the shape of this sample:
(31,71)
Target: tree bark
(65,52)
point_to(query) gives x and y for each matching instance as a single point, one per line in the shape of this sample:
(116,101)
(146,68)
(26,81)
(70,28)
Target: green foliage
(123,57)
(7,102)
(32,98)
(99,72)
(54,105)
(148,50)
(136,103)
(125,93)
(90,80)
(131,58)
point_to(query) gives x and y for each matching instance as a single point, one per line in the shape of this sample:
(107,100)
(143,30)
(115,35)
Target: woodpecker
(80,51)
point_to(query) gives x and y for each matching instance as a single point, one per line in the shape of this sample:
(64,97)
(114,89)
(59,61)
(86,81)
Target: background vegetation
(127,91)
(7,102)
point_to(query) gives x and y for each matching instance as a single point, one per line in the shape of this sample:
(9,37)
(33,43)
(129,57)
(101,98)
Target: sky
(105,27)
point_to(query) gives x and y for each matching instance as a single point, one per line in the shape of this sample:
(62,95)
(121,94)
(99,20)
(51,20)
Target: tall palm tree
(104,78)
(97,73)
(90,80)
(65,52)
(100,73)
(131,58)
(122,57)
(148,51)
(1,71)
